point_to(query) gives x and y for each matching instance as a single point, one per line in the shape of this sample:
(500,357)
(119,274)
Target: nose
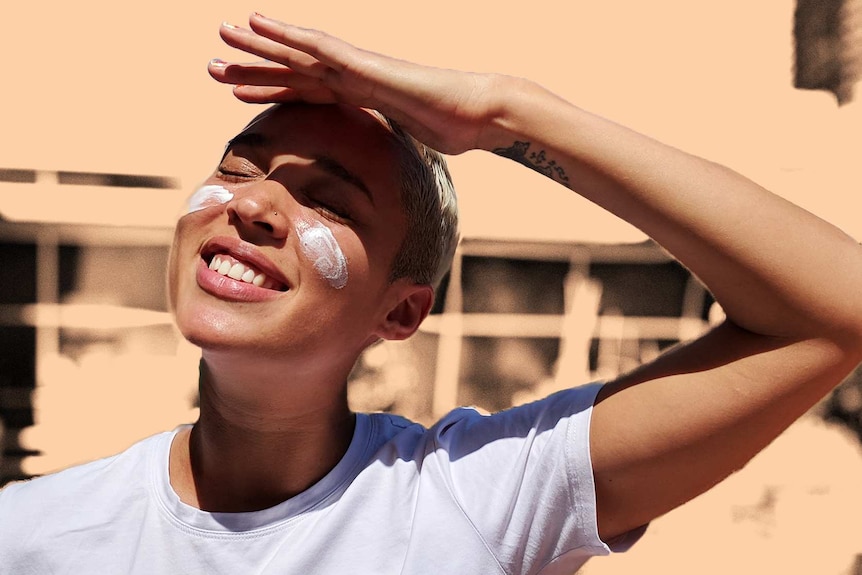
(258,212)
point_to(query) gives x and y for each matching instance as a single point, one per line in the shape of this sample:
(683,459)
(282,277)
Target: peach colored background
(92,86)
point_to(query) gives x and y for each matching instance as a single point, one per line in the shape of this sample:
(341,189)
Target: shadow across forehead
(354,144)
(328,117)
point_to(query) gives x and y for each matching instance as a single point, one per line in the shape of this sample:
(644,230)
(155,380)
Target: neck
(260,439)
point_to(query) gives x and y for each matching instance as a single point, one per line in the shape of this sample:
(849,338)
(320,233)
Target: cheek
(178,261)
(172,273)
(207,197)
(324,252)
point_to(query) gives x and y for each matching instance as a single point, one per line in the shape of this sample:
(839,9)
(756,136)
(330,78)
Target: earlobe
(404,319)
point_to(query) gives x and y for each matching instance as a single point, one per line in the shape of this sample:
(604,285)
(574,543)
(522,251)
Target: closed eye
(238,168)
(234,176)
(332,214)
(326,204)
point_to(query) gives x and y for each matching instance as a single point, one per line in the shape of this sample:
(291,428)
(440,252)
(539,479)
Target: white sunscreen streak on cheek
(322,249)
(207,197)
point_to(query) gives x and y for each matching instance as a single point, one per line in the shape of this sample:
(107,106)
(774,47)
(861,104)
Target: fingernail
(259,15)
(228,25)
(218,63)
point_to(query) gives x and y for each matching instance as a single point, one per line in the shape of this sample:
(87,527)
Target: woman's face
(288,247)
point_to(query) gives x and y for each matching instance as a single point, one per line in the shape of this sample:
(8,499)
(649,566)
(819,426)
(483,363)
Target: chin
(215,330)
(209,329)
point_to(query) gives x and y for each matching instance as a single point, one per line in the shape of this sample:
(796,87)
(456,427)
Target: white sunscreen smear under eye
(320,246)
(207,197)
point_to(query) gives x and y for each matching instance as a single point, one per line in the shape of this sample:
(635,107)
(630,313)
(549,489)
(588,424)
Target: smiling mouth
(231,267)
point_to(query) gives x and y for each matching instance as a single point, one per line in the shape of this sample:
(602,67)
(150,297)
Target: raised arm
(786,279)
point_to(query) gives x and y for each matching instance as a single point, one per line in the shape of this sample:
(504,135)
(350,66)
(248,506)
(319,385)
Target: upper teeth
(228,266)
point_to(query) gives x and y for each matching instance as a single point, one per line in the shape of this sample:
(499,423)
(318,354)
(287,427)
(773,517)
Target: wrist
(501,91)
(513,106)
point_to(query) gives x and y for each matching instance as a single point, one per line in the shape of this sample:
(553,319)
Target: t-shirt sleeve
(524,479)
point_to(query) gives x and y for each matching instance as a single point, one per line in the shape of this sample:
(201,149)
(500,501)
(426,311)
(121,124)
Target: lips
(236,270)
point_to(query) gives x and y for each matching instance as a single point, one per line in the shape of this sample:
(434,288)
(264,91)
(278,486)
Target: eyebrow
(250,139)
(323,162)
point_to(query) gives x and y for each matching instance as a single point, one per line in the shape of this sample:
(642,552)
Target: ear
(413,305)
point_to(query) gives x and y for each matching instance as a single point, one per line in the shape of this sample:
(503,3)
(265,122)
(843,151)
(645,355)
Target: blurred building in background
(89,359)
(828,42)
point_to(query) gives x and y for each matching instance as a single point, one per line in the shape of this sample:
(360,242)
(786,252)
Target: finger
(322,47)
(273,95)
(248,41)
(261,74)
(365,77)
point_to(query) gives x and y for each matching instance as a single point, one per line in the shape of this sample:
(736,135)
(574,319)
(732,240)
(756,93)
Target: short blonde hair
(431,209)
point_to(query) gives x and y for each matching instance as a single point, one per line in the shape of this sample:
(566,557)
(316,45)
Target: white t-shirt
(506,493)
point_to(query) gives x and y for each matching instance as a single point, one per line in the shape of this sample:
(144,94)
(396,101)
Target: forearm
(775,268)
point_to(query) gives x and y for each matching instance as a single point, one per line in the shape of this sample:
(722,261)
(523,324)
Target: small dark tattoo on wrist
(538,161)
